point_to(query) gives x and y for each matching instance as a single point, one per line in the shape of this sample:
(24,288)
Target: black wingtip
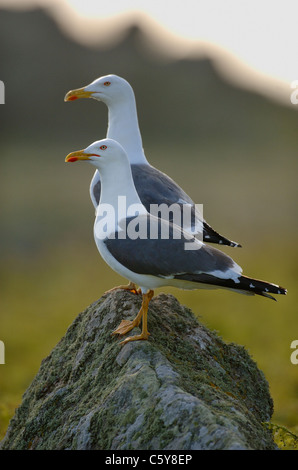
(281,291)
(211,236)
(235,245)
(262,288)
(264,294)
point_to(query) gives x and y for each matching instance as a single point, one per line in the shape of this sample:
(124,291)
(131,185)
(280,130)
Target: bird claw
(124,327)
(142,336)
(130,287)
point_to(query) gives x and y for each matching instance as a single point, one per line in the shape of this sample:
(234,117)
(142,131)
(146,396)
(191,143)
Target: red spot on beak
(72,98)
(72,159)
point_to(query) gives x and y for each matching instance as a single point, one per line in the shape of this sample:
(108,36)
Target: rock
(183,389)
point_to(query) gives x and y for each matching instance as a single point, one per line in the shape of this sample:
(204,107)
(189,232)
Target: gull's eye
(103,147)
(107,83)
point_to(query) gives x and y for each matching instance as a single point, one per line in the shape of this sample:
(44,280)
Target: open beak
(76,94)
(78,155)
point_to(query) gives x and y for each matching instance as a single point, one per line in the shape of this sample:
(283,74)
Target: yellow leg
(130,286)
(127,325)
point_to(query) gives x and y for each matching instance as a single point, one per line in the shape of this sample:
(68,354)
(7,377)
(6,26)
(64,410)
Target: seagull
(153,186)
(133,244)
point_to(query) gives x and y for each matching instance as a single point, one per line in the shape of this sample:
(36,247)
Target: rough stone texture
(183,389)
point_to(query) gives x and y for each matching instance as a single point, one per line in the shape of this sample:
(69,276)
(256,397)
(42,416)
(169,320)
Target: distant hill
(183,99)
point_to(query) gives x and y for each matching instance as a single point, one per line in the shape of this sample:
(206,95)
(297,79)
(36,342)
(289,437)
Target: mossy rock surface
(183,389)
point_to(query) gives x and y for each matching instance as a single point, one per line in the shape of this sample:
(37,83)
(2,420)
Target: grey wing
(95,189)
(166,257)
(155,187)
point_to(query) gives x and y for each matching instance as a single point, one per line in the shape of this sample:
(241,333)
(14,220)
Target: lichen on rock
(183,389)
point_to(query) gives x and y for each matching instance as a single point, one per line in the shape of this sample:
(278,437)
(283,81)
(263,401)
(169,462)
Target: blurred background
(224,130)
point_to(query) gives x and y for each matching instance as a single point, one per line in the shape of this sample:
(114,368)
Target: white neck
(124,128)
(118,189)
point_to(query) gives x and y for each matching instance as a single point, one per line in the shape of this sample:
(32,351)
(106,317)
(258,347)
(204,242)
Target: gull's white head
(111,160)
(123,126)
(100,153)
(108,89)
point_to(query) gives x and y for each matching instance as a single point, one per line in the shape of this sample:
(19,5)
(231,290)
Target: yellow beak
(76,94)
(78,155)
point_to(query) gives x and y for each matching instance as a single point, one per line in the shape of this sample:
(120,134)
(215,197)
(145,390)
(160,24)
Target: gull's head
(101,153)
(108,89)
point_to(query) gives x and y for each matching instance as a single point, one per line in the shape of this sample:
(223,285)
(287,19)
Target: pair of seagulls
(122,171)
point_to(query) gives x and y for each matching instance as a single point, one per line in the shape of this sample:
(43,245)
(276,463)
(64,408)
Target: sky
(258,35)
